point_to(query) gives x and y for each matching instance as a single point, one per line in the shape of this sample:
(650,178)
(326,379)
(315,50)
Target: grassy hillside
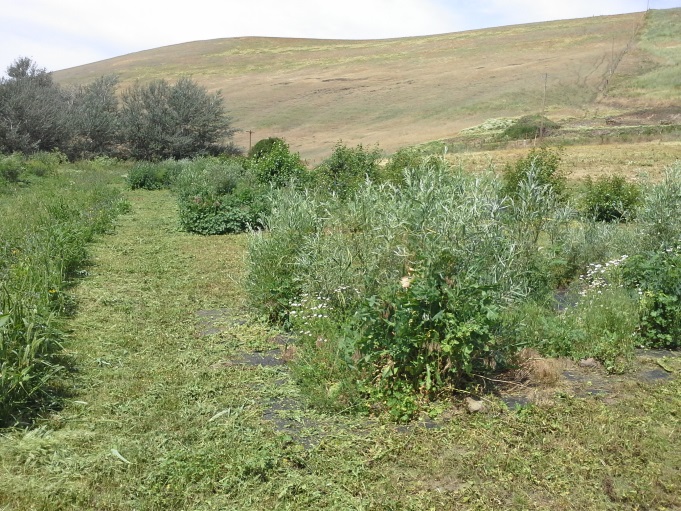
(405,91)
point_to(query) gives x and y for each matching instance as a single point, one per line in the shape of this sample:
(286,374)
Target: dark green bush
(347,169)
(219,196)
(279,166)
(657,276)
(153,176)
(264,147)
(222,214)
(528,127)
(434,330)
(610,199)
(542,165)
(404,159)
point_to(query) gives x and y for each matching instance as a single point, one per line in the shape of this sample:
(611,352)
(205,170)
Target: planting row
(46,223)
(415,278)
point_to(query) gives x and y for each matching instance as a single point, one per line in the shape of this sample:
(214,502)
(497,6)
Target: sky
(58,34)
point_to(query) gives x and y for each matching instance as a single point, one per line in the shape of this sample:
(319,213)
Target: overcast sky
(58,34)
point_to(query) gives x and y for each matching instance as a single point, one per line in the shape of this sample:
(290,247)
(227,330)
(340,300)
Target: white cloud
(526,11)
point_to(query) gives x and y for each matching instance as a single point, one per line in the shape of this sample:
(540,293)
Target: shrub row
(400,291)
(231,194)
(43,235)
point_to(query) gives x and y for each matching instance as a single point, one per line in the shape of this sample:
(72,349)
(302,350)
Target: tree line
(151,121)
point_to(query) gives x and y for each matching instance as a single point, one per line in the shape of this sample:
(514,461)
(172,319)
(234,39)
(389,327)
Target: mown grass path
(159,419)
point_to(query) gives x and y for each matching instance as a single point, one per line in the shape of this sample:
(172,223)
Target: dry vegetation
(401,92)
(645,159)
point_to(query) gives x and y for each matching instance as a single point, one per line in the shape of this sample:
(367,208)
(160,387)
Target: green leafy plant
(221,214)
(610,199)
(279,166)
(433,330)
(153,176)
(264,147)
(544,164)
(347,168)
(217,196)
(657,277)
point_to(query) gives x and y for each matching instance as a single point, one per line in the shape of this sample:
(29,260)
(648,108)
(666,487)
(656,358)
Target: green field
(179,399)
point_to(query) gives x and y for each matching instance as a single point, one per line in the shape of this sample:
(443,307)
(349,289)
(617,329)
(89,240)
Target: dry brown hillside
(405,91)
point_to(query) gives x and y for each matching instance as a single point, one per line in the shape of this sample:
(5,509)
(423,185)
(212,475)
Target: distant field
(400,92)
(635,161)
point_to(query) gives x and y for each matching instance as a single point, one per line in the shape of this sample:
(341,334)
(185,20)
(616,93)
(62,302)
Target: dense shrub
(153,176)
(279,166)
(431,330)
(264,147)
(219,197)
(347,168)
(544,165)
(610,199)
(222,214)
(407,282)
(160,120)
(657,277)
(528,127)
(402,160)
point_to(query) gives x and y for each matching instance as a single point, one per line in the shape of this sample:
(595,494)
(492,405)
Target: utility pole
(250,138)
(543,108)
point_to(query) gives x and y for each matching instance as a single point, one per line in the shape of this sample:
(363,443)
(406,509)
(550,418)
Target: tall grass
(44,232)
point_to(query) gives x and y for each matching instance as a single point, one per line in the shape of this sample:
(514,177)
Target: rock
(474,405)
(588,362)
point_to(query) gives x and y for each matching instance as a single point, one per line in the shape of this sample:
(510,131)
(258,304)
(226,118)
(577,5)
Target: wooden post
(543,109)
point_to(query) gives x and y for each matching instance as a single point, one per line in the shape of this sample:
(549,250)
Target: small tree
(94,117)
(33,110)
(160,120)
